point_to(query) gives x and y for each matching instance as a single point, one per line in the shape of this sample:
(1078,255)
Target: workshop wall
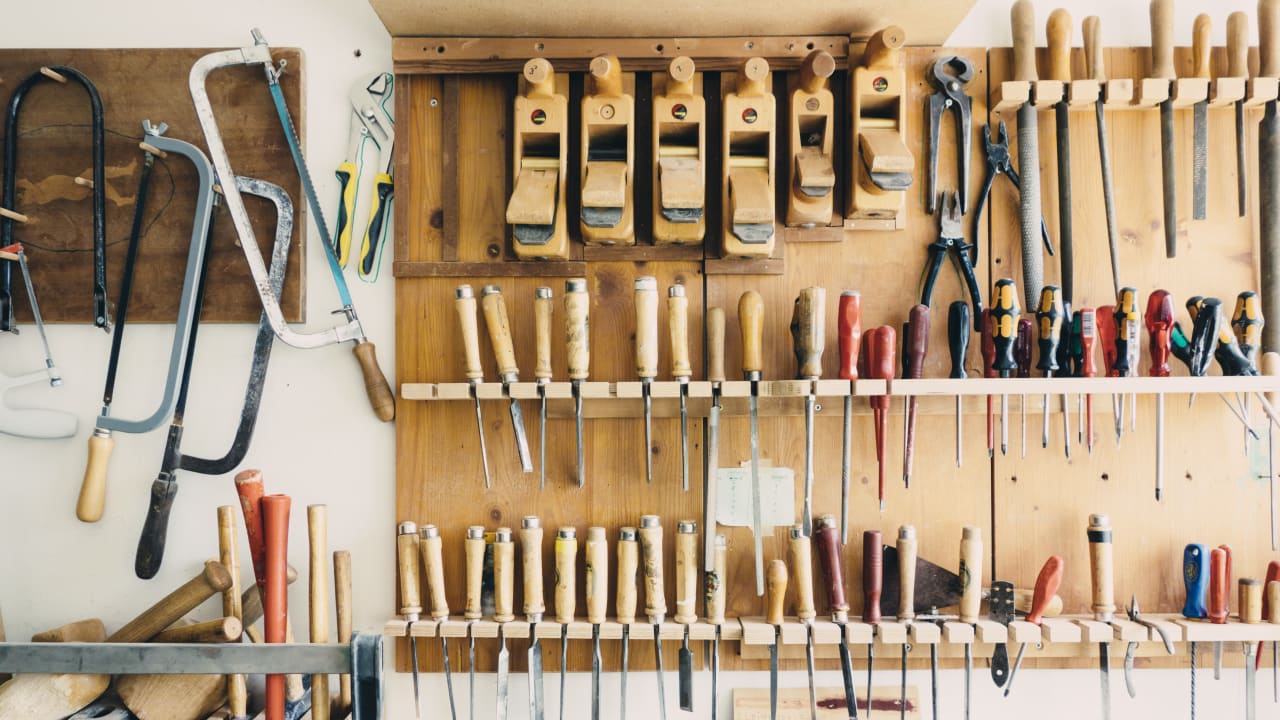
(316,438)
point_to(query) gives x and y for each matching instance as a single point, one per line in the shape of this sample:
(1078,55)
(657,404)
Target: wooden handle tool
(1047,584)
(1058,34)
(566,587)
(872,575)
(646,312)
(221,630)
(828,537)
(849,323)
(1201,46)
(808,328)
(465,303)
(410,579)
(597,578)
(628,563)
(577,307)
(531,559)
(1162,40)
(498,326)
(228,555)
(907,554)
(751,326)
(1238,45)
(543,311)
(800,553)
(431,546)
(655,599)
(91,630)
(342,602)
(212,580)
(1219,578)
(1250,600)
(715,344)
(775,592)
(970,574)
(318,547)
(504,577)
(1095,67)
(1269,44)
(1273,598)
(93,489)
(678,328)
(473,549)
(1023,22)
(1100,567)
(275,600)
(686,572)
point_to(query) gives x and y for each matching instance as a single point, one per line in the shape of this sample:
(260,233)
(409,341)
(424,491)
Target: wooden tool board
(55,147)
(454,173)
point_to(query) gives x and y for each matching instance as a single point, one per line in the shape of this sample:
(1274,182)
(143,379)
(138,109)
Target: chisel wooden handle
(715,582)
(93,490)
(646,307)
(1273,598)
(828,537)
(907,554)
(808,325)
(504,576)
(628,559)
(473,549)
(597,575)
(376,388)
(318,605)
(91,630)
(1218,579)
(566,587)
(499,327)
(543,308)
(1162,40)
(275,595)
(213,579)
(1023,22)
(1047,584)
(849,332)
(222,630)
(342,602)
(431,546)
(1058,32)
(678,327)
(1268,41)
(228,555)
(801,555)
(410,579)
(465,303)
(715,344)
(970,574)
(1201,45)
(686,572)
(872,575)
(1100,567)
(655,599)
(751,328)
(1095,66)
(775,591)
(577,308)
(1238,45)
(531,558)
(1250,600)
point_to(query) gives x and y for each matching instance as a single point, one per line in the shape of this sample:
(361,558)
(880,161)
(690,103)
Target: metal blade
(564,660)
(471,675)
(662,684)
(1017,663)
(595,672)
(773,678)
(711,469)
(846,675)
(1250,681)
(448,677)
(1192,656)
(684,436)
(577,416)
(648,434)
(968,681)
(933,679)
(813,692)
(1104,161)
(1029,215)
(1271,482)
(757,521)
(484,455)
(1199,159)
(626,654)
(845,454)
(1128,669)
(902,697)
(871,661)
(1169,179)
(1159,448)
(1104,667)
(686,674)
(522,442)
(715,673)
(1242,164)
(504,676)
(959,443)
(542,437)
(806,519)
(417,698)
(537,704)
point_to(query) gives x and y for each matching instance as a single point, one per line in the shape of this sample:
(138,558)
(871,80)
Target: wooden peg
(53,75)
(536,208)
(84,182)
(14,215)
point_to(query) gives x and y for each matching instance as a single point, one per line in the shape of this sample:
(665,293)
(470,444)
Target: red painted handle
(828,537)
(988,346)
(249,488)
(1218,578)
(1273,573)
(917,341)
(1107,337)
(1046,587)
(850,331)
(1088,337)
(872,575)
(275,601)
(1159,319)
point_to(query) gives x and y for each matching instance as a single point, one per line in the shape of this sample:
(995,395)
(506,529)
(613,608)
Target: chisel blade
(648,433)
(542,437)
(715,673)
(845,457)
(1199,159)
(686,674)
(504,676)
(709,483)
(773,679)
(484,454)
(846,675)
(595,672)
(684,436)
(813,691)
(471,674)
(536,701)
(1168,179)
(417,697)
(1242,163)
(662,684)
(577,417)
(622,681)
(1104,668)
(806,519)
(522,441)
(757,521)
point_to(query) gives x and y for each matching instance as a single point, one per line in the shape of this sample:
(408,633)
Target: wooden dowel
(53,75)
(14,215)
(222,630)
(148,147)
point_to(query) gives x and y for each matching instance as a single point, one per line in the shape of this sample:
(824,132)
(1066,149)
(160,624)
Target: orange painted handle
(850,333)
(1046,587)
(275,600)
(249,488)
(1218,586)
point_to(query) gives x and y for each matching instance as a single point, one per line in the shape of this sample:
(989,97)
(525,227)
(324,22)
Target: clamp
(949,75)
(999,162)
(963,254)
(1134,616)
(373,132)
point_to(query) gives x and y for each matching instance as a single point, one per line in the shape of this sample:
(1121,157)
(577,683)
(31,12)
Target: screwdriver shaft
(684,434)
(959,439)
(542,436)
(845,458)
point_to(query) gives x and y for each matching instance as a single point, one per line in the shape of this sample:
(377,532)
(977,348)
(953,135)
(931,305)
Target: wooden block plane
(747,146)
(536,210)
(679,155)
(812,123)
(608,155)
(881,164)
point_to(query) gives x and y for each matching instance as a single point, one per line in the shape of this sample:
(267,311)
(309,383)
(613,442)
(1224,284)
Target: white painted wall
(317,439)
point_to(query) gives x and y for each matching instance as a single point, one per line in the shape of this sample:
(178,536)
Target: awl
(465,303)
(655,601)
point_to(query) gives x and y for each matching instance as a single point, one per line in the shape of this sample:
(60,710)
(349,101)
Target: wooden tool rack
(453,177)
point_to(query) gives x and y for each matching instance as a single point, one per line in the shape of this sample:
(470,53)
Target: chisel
(534,606)
(318,602)
(751,327)
(1162,69)
(473,550)
(495,320)
(655,601)
(646,307)
(833,570)
(410,598)
(1195,579)
(1201,46)
(1058,34)
(681,371)
(1159,320)
(504,556)
(959,328)
(711,460)
(686,603)
(808,328)
(915,339)
(776,594)
(1238,67)
(715,613)
(542,312)
(577,332)
(465,303)
(1104,607)
(799,551)
(626,603)
(970,598)
(907,554)
(1095,69)
(433,565)
(1023,19)
(597,604)
(872,585)
(566,594)
(849,328)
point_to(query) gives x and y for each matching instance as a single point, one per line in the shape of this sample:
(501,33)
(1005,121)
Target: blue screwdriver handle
(1195,575)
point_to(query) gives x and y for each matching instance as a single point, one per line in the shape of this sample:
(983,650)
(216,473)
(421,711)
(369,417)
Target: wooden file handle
(970,574)
(376,388)
(499,327)
(655,599)
(577,306)
(342,602)
(715,344)
(828,537)
(775,591)
(93,490)
(222,630)
(1268,38)
(1238,45)
(541,77)
(597,575)
(504,576)
(214,578)
(1250,601)
(606,76)
(543,308)
(907,554)
(1162,40)
(680,76)
(228,555)
(815,71)
(1201,45)
(1023,22)
(627,566)
(715,582)
(1095,66)
(1047,584)
(1058,31)
(751,327)
(431,545)
(465,303)
(318,606)
(801,556)
(407,562)
(678,327)
(872,575)
(531,559)
(646,307)
(808,329)
(566,589)
(249,489)
(849,332)
(91,630)
(751,76)
(1100,567)
(686,572)
(473,549)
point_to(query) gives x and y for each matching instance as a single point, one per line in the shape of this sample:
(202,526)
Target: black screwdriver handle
(959,327)
(1004,324)
(1049,324)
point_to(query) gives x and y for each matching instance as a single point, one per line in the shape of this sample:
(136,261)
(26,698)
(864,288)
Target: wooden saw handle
(375,383)
(715,344)
(1162,40)
(1058,31)
(1023,22)
(93,491)
(597,575)
(1095,66)
(801,555)
(531,559)
(678,327)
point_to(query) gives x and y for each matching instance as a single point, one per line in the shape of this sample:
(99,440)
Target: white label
(777,497)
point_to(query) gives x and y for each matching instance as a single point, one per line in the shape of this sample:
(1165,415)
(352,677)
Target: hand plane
(813,176)
(881,165)
(747,146)
(536,210)
(608,155)
(679,155)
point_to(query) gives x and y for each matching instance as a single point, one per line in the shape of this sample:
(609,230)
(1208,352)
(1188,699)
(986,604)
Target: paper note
(777,496)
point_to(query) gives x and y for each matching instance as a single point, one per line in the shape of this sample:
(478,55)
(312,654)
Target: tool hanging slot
(679,155)
(608,159)
(813,177)
(536,208)
(881,165)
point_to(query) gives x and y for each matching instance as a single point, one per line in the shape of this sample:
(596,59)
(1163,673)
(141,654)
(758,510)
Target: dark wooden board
(55,147)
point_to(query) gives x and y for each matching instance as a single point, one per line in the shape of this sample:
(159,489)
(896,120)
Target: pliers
(999,162)
(949,75)
(372,132)
(1132,611)
(963,254)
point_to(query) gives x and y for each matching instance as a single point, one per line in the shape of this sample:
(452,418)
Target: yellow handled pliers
(371,140)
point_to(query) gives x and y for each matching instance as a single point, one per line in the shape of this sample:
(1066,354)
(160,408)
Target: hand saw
(372,137)
(259,53)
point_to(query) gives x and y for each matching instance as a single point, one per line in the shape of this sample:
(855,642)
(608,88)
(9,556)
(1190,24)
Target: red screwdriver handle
(1159,319)
(1022,347)
(1273,573)
(849,324)
(1088,338)
(1107,338)
(917,341)
(1218,578)
(880,363)
(872,575)
(1047,584)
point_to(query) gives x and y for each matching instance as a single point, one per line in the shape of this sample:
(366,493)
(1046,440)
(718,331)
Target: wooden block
(424,628)
(395,628)
(1260,91)
(1083,94)
(1129,631)
(1093,631)
(1117,93)
(1047,93)
(1226,91)
(447,629)
(825,632)
(794,632)
(989,631)
(1189,91)
(884,152)
(681,182)
(1024,632)
(1203,631)
(814,169)
(755,631)
(856,633)
(1060,630)
(1010,95)
(891,633)
(926,633)
(1152,92)
(489,629)
(751,196)
(605,185)
(533,201)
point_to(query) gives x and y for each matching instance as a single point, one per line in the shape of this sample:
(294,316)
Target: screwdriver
(1246,325)
(988,348)
(1086,333)
(646,306)
(808,323)
(833,570)
(578,343)
(499,327)
(1159,319)
(751,328)
(959,326)
(915,336)
(1004,322)
(1047,583)
(1219,605)
(1049,323)
(1022,356)
(880,354)
(542,312)
(681,371)
(800,553)
(1106,333)
(849,326)
(1127,349)
(1209,338)
(1195,579)
(465,303)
